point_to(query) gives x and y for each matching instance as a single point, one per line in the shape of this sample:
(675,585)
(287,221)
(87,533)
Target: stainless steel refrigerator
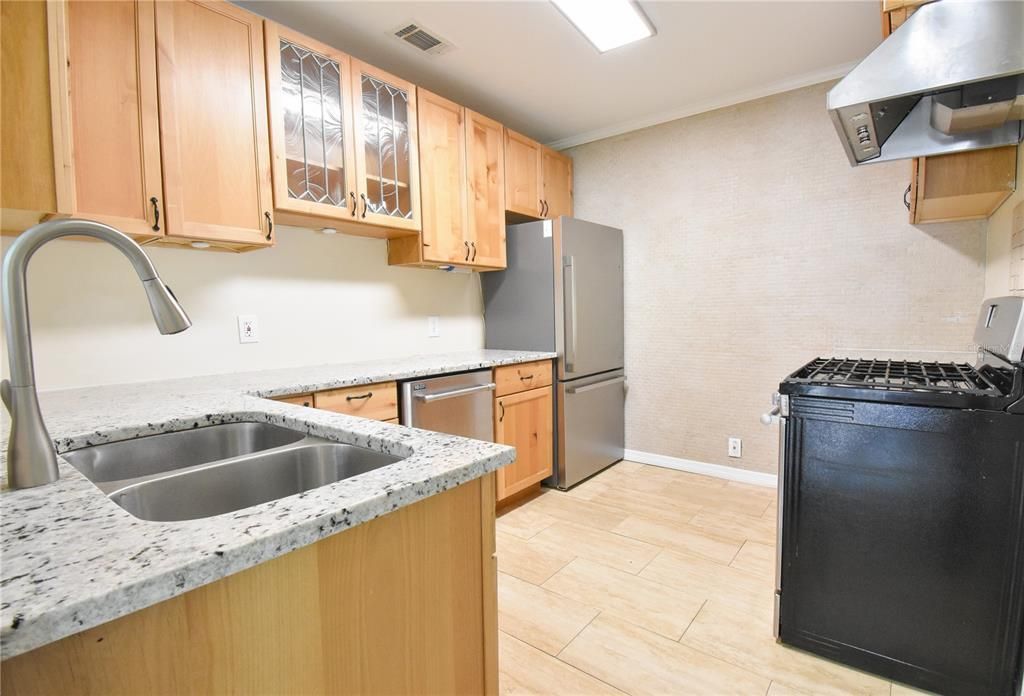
(562,292)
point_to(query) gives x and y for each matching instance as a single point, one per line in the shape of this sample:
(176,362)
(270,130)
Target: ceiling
(525,65)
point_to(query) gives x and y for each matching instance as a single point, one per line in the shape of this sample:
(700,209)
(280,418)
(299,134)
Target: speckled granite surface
(72,559)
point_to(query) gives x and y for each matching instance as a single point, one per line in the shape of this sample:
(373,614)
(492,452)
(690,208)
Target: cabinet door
(557,176)
(310,98)
(387,157)
(213,122)
(442,144)
(485,170)
(522,174)
(523,421)
(114,123)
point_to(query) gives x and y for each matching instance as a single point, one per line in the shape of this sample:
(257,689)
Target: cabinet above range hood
(950,79)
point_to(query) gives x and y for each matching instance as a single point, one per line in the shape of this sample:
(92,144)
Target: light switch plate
(735,447)
(433,327)
(248,329)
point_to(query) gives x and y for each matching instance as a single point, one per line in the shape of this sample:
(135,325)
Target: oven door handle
(453,393)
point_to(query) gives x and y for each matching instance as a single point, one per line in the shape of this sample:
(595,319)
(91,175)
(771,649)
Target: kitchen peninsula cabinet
(170,164)
(462,190)
(402,604)
(523,418)
(961,186)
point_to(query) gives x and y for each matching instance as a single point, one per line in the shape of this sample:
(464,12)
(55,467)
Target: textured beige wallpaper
(751,247)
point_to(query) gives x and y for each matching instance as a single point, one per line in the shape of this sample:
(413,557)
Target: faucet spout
(31,457)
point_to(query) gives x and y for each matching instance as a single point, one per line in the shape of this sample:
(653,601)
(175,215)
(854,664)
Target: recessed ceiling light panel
(607,24)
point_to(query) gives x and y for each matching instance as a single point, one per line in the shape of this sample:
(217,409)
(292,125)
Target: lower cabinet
(403,604)
(524,421)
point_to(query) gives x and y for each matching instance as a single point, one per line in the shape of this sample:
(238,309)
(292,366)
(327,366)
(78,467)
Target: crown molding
(738,97)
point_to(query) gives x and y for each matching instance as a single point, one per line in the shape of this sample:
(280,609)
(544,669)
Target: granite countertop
(72,559)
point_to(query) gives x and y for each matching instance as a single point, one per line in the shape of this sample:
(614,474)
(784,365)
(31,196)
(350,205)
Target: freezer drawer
(592,428)
(455,404)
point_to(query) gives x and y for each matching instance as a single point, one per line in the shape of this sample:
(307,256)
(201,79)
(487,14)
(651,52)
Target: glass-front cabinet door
(311,129)
(386,148)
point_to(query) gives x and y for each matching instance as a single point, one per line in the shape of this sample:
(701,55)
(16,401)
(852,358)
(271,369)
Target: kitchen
(322,303)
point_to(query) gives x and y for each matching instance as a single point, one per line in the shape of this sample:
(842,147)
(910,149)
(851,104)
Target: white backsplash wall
(318,299)
(751,247)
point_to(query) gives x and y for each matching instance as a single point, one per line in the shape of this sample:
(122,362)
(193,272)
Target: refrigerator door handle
(595,385)
(570,303)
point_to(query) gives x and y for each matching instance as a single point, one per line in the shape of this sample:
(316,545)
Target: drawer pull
(359,397)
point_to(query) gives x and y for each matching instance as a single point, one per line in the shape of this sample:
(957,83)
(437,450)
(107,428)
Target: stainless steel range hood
(950,79)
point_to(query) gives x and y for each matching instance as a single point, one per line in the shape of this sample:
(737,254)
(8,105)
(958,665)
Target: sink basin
(246,481)
(116,464)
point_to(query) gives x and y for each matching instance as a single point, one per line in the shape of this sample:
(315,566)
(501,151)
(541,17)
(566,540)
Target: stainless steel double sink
(191,474)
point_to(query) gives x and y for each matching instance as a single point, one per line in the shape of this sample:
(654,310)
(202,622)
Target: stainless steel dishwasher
(461,404)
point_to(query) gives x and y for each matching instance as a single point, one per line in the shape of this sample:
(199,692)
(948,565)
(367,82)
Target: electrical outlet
(735,447)
(433,327)
(248,329)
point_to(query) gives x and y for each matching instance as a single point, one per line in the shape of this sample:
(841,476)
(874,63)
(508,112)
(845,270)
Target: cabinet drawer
(376,401)
(297,399)
(510,379)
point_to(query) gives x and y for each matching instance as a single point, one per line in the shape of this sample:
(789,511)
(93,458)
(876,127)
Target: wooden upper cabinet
(443,181)
(523,188)
(115,166)
(213,123)
(557,178)
(386,149)
(309,91)
(485,167)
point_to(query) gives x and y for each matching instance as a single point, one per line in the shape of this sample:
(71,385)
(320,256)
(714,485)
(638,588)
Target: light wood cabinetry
(213,124)
(962,186)
(343,140)
(462,190)
(523,418)
(156,125)
(538,180)
(297,399)
(403,604)
(376,401)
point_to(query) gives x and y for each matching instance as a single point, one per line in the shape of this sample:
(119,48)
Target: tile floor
(645,580)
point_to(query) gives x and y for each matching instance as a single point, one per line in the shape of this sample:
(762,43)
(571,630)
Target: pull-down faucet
(31,457)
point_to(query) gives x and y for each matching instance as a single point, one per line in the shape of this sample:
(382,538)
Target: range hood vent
(950,79)
(423,39)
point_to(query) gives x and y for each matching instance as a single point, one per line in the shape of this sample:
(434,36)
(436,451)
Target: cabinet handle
(270,224)
(363,196)
(467,251)
(156,213)
(542,207)
(360,397)
(906,197)
(352,195)
(473,244)
(501,405)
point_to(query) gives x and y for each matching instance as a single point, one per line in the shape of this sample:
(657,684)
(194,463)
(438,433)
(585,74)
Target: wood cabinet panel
(115,131)
(443,183)
(557,176)
(509,379)
(523,188)
(386,148)
(376,401)
(485,170)
(418,583)
(32,168)
(213,121)
(311,130)
(524,421)
(297,399)
(962,186)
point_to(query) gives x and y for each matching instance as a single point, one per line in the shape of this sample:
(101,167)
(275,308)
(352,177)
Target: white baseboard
(731,473)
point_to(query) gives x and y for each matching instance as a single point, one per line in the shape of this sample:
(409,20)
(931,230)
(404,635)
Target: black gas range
(901,518)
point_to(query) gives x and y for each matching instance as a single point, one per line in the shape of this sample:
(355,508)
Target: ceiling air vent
(427,41)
